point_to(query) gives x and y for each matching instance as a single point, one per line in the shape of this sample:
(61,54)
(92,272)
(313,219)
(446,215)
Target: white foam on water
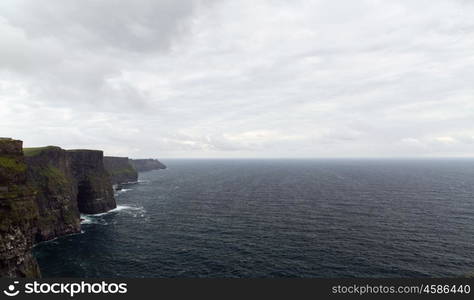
(124,207)
(98,218)
(90,219)
(122,191)
(131,182)
(135,211)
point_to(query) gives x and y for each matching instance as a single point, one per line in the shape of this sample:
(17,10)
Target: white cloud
(445,140)
(240,78)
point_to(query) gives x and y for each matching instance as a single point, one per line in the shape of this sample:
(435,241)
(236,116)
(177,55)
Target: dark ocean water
(280,218)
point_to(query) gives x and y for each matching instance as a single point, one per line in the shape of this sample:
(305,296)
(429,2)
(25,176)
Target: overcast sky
(232,78)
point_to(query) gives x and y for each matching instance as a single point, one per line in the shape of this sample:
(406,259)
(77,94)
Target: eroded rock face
(95,193)
(50,174)
(120,169)
(149,164)
(18,213)
(41,197)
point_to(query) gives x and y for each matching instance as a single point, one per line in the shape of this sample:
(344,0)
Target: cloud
(239,78)
(445,140)
(141,26)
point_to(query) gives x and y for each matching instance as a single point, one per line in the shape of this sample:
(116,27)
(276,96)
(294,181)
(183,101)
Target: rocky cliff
(95,193)
(18,213)
(120,169)
(41,196)
(50,174)
(143,165)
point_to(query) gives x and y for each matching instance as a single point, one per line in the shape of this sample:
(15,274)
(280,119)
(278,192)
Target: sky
(240,79)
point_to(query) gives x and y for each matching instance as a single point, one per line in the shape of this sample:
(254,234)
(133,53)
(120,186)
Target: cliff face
(18,213)
(50,174)
(95,193)
(42,195)
(120,169)
(143,165)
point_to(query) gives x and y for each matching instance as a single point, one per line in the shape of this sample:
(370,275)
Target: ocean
(280,218)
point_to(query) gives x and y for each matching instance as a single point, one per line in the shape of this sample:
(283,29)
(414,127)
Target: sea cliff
(42,193)
(44,190)
(120,169)
(149,164)
(18,213)
(50,174)
(95,193)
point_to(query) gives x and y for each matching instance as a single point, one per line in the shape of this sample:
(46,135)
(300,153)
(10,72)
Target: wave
(130,182)
(91,219)
(124,207)
(121,191)
(117,209)
(135,211)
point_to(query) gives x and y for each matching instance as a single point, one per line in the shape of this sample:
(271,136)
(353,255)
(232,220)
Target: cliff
(95,193)
(18,213)
(50,174)
(42,192)
(120,169)
(143,165)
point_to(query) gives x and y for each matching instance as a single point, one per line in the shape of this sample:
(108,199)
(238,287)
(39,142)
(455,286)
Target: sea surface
(280,218)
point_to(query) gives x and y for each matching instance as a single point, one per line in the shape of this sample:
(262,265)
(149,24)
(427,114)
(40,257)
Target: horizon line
(319,158)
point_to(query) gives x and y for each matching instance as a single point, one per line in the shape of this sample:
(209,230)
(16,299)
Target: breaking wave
(117,193)
(135,211)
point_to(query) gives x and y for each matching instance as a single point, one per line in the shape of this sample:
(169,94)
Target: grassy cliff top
(4,140)
(37,150)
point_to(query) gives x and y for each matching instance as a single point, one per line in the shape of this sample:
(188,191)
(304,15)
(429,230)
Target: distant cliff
(95,193)
(143,165)
(120,169)
(42,194)
(18,213)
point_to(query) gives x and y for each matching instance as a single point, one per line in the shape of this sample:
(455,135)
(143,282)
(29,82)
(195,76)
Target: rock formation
(44,190)
(95,193)
(143,165)
(50,174)
(120,169)
(42,196)
(18,213)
